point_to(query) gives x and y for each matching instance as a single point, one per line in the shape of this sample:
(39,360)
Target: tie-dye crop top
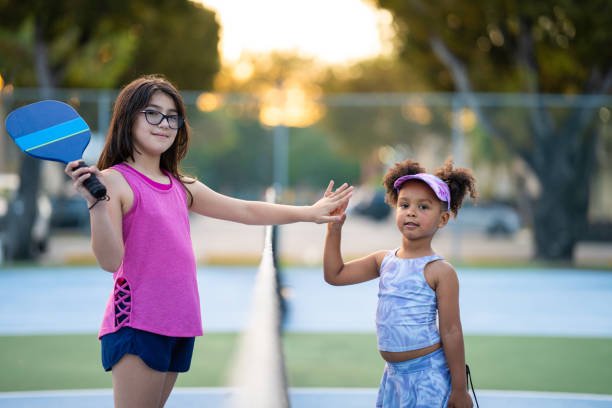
(406,317)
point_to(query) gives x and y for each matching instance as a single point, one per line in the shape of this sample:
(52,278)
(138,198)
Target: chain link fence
(237,150)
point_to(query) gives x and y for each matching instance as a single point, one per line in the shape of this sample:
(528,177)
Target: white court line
(487,393)
(56,393)
(543,394)
(302,391)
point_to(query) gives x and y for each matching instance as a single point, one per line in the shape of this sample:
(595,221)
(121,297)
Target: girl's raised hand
(80,175)
(331,207)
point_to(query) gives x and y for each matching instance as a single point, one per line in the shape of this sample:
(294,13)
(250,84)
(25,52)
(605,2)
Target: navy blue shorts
(161,353)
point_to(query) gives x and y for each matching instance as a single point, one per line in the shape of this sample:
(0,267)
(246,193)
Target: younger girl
(425,366)
(141,234)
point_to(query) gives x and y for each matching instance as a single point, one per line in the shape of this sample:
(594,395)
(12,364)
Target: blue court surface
(500,302)
(539,302)
(299,397)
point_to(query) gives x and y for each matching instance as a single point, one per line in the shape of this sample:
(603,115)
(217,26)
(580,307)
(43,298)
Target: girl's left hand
(460,399)
(331,207)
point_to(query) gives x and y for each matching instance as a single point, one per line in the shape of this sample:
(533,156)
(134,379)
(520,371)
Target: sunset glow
(332,31)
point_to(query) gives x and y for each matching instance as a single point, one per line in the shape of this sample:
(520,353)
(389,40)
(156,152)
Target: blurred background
(295,94)
(292,94)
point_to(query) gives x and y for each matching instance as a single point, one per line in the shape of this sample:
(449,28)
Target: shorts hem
(131,342)
(121,355)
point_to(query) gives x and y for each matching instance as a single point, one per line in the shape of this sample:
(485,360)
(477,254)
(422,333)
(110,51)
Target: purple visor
(438,186)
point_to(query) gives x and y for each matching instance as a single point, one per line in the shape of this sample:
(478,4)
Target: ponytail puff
(405,168)
(460,181)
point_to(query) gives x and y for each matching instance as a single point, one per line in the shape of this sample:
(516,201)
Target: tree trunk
(562,160)
(554,233)
(23,210)
(561,211)
(560,219)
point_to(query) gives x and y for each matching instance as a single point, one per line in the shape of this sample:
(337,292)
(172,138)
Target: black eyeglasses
(155,118)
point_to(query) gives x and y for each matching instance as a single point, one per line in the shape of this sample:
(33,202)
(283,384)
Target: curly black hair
(405,168)
(460,181)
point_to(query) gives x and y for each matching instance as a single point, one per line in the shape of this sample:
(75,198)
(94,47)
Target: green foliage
(380,74)
(55,34)
(550,46)
(234,155)
(314,160)
(485,149)
(361,130)
(231,155)
(176,38)
(101,62)
(266,71)
(107,44)
(570,40)
(16,60)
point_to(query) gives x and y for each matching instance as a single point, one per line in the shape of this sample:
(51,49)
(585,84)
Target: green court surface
(577,365)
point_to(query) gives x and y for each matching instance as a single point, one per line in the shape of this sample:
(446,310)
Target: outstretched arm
(451,333)
(212,204)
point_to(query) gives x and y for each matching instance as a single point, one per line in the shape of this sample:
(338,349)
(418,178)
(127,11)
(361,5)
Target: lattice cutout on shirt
(123,302)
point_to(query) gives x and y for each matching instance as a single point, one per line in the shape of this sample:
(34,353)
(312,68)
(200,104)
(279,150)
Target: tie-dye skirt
(420,383)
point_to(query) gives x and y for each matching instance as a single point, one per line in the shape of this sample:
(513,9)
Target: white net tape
(258,373)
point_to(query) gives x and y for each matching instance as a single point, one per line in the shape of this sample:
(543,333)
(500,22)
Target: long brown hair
(132,99)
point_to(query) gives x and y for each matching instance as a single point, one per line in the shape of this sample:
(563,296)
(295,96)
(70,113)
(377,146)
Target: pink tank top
(155,288)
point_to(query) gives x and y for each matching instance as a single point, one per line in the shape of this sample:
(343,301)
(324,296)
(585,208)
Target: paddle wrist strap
(468,375)
(105,198)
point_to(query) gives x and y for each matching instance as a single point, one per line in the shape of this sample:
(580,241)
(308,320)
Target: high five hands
(332,205)
(343,193)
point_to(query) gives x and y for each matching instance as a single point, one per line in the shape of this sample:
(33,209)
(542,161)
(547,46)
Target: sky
(334,31)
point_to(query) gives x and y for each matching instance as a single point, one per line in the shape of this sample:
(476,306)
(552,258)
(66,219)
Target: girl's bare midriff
(399,356)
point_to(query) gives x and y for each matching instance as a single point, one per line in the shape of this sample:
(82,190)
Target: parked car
(41,229)
(494,219)
(69,213)
(369,203)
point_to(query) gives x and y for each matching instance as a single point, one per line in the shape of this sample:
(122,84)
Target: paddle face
(49,130)
(53,130)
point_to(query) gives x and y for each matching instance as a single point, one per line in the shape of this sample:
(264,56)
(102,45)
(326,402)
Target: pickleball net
(258,372)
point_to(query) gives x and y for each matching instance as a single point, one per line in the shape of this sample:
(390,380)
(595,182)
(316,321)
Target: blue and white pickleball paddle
(53,130)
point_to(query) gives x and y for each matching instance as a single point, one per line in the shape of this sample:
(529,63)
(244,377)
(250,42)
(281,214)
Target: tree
(94,44)
(238,139)
(368,112)
(559,46)
(176,38)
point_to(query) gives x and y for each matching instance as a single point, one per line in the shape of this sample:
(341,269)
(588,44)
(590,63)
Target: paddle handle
(92,184)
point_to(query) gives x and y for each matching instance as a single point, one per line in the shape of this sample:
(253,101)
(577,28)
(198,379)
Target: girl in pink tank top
(141,234)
